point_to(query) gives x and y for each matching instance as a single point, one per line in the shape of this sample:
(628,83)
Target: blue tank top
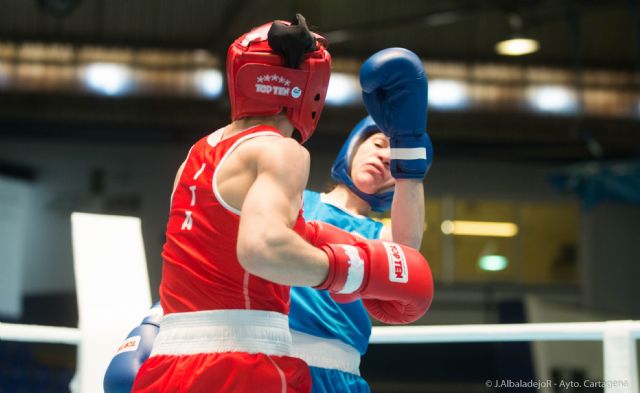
(314,312)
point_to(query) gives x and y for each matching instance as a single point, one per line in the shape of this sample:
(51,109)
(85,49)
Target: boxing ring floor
(96,343)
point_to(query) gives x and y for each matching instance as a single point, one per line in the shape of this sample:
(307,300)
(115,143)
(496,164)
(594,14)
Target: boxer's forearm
(282,256)
(267,246)
(407,212)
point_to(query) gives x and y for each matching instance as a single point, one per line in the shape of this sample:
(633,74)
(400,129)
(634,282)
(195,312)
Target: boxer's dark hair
(291,41)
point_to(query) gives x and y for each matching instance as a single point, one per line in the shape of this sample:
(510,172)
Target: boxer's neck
(342,197)
(280,121)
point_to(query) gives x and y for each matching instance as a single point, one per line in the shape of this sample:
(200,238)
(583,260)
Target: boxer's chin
(367,183)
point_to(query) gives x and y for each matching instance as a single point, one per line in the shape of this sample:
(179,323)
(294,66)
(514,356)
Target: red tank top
(200,265)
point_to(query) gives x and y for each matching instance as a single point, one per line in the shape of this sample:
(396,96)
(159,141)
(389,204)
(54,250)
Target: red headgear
(259,84)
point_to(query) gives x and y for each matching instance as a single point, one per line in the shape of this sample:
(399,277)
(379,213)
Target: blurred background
(532,199)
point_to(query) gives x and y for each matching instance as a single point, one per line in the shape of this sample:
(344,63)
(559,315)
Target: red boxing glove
(318,234)
(394,280)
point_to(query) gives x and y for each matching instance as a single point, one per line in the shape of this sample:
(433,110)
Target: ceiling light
(557,99)
(479,228)
(517,47)
(209,83)
(108,78)
(493,263)
(344,89)
(490,260)
(447,94)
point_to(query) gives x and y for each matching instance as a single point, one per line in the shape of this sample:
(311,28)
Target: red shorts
(230,351)
(231,372)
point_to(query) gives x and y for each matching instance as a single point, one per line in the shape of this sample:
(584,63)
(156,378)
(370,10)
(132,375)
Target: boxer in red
(236,237)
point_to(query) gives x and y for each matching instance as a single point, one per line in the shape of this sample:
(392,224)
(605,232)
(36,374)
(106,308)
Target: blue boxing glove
(133,351)
(394,89)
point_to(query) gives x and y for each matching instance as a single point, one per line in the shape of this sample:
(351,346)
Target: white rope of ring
(620,360)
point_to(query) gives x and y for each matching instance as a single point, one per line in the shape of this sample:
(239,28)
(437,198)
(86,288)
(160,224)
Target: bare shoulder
(274,152)
(272,147)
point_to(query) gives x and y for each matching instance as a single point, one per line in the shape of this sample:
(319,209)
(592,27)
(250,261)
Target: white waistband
(216,331)
(325,353)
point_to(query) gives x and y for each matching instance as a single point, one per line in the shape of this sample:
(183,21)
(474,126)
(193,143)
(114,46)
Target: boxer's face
(370,165)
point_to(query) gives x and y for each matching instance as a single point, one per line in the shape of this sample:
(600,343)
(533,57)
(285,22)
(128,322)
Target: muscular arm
(407,214)
(267,246)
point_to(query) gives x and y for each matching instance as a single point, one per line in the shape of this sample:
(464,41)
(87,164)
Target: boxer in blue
(381,166)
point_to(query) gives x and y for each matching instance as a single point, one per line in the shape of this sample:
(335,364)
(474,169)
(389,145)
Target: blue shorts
(336,381)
